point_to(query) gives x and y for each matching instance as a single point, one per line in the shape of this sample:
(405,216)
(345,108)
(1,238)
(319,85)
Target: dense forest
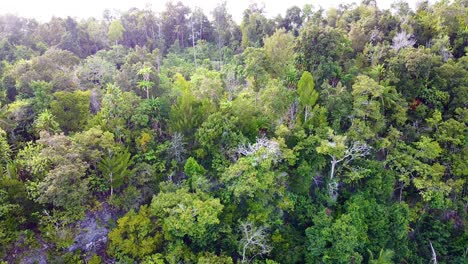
(320,136)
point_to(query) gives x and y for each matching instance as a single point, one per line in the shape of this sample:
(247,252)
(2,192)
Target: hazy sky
(43,10)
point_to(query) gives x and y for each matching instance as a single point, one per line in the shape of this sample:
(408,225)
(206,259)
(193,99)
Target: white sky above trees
(43,10)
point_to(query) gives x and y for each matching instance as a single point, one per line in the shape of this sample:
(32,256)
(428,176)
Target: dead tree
(254,242)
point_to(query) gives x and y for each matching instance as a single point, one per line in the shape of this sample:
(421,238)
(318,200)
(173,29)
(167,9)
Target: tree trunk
(193,46)
(111,183)
(332,171)
(333,186)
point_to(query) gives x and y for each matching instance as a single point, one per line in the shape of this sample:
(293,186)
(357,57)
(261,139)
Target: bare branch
(253,242)
(358,149)
(434,255)
(402,40)
(177,147)
(271,149)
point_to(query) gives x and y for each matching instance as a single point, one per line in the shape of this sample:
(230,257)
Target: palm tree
(385,257)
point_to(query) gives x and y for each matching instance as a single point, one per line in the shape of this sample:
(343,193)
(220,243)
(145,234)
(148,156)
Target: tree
(418,164)
(279,52)
(116,169)
(136,235)
(336,147)
(385,257)
(227,32)
(187,215)
(116,31)
(5,150)
(42,95)
(253,243)
(207,84)
(307,94)
(96,72)
(174,26)
(255,26)
(65,186)
(145,84)
(402,40)
(196,175)
(71,109)
(322,51)
(292,21)
(55,66)
(256,65)
(46,122)
(187,113)
(367,120)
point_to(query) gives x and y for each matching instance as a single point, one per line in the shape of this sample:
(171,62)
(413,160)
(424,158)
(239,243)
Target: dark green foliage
(71,110)
(322,51)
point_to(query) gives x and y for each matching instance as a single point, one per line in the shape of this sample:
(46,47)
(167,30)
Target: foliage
(135,235)
(182,213)
(171,136)
(71,109)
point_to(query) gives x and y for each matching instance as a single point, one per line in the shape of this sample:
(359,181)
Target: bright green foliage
(116,111)
(46,122)
(210,258)
(207,84)
(368,119)
(30,160)
(307,94)
(279,52)
(252,175)
(95,143)
(335,146)
(95,259)
(187,113)
(256,65)
(5,150)
(136,235)
(217,136)
(384,257)
(187,214)
(154,259)
(115,167)
(306,90)
(196,175)
(145,84)
(42,97)
(116,31)
(71,109)
(8,223)
(418,165)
